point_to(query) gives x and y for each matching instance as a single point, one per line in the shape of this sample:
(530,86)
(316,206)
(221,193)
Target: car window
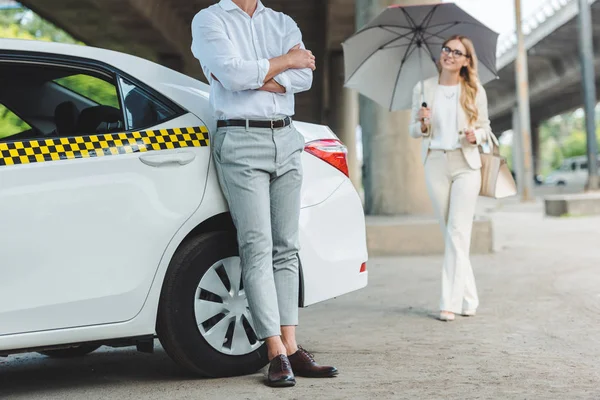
(141,109)
(564,167)
(76,102)
(583,165)
(10,123)
(95,89)
(573,166)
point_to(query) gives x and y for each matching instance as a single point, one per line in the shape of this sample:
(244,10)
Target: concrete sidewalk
(535,337)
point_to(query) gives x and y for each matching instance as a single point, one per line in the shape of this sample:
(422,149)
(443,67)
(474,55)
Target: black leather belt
(274,124)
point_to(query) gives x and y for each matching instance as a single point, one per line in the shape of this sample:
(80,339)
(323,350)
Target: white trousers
(454,187)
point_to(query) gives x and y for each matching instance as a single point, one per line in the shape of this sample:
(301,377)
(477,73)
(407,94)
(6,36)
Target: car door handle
(159,160)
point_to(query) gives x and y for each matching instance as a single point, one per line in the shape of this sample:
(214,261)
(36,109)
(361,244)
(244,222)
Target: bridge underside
(554,73)
(160,31)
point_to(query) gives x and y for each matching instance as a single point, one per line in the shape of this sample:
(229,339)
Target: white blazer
(483,130)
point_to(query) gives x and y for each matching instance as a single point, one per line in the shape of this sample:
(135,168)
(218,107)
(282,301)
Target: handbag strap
(494,139)
(496,145)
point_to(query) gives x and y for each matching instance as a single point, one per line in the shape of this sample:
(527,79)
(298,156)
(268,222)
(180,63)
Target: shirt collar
(229,5)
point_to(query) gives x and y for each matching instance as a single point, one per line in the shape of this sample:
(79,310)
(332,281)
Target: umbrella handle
(425,120)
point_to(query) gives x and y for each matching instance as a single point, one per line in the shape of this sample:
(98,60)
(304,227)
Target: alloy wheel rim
(221,309)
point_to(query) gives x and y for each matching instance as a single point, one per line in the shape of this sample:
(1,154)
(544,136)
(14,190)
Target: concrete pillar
(586,52)
(522,79)
(517,151)
(394,176)
(343,117)
(535,148)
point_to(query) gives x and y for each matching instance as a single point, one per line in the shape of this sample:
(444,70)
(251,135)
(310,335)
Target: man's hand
(299,58)
(273,86)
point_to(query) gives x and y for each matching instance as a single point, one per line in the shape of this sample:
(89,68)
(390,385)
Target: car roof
(146,70)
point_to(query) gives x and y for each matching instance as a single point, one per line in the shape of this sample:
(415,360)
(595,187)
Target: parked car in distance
(573,172)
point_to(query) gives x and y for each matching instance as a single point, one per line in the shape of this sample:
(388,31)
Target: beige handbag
(496,180)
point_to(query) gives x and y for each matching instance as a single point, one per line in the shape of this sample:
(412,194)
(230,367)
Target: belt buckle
(272,124)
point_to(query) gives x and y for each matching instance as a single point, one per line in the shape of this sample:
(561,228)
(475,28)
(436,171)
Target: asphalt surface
(536,335)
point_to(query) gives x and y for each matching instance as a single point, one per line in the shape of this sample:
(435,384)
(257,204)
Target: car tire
(177,326)
(71,352)
(561,183)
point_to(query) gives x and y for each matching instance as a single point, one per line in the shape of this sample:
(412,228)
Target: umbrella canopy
(386,59)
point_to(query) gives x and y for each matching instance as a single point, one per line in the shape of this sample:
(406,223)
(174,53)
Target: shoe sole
(281,384)
(332,375)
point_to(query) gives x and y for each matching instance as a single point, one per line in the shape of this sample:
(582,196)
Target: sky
(498,14)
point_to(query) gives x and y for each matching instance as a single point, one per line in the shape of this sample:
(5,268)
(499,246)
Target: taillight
(332,151)
(363,268)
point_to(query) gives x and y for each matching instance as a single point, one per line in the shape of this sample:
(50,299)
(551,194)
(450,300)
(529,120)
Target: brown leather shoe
(280,372)
(305,365)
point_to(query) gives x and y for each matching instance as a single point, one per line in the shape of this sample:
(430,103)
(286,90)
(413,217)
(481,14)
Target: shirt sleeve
(484,129)
(294,80)
(218,56)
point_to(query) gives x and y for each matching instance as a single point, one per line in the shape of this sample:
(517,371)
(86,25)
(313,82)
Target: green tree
(576,144)
(94,89)
(507,152)
(25,24)
(561,137)
(10,124)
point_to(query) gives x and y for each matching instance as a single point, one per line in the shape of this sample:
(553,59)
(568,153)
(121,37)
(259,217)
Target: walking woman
(453,123)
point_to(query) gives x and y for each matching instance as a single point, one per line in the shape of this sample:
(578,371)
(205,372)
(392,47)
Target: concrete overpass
(554,66)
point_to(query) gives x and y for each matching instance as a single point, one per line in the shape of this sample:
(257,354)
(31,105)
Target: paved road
(536,336)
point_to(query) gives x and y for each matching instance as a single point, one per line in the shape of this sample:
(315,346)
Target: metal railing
(508,41)
(9,5)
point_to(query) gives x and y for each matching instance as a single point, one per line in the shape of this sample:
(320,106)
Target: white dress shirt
(236,49)
(444,119)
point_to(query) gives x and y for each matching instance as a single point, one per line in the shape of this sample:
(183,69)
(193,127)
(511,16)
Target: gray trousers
(260,172)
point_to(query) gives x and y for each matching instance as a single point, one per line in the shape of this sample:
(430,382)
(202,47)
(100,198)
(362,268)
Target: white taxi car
(114,230)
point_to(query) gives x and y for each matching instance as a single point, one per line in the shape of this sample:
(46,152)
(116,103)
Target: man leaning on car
(255,61)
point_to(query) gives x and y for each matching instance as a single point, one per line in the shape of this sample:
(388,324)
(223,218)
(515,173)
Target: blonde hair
(469,81)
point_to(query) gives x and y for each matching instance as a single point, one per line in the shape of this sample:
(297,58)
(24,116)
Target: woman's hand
(424,116)
(470,135)
(424,112)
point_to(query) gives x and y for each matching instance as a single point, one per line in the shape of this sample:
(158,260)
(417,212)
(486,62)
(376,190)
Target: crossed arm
(288,73)
(269,86)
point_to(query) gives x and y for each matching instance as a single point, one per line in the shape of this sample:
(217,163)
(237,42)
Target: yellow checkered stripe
(110,144)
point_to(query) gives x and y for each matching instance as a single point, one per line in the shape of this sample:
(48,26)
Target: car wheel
(204,321)
(561,183)
(71,352)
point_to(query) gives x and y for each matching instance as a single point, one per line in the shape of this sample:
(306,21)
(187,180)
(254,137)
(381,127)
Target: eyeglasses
(455,53)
